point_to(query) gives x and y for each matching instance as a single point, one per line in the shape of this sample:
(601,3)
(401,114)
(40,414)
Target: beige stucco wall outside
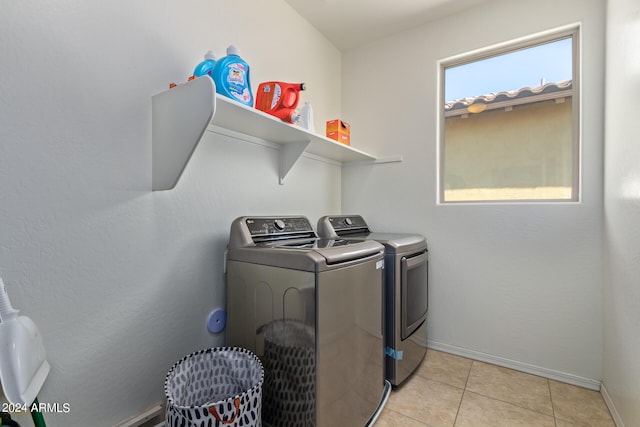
(525,153)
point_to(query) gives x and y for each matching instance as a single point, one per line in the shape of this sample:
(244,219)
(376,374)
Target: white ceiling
(351,23)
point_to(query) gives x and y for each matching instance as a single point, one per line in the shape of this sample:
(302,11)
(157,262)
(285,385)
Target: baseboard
(151,416)
(617,419)
(518,366)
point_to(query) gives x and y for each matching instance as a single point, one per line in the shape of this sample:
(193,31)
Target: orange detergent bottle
(279,99)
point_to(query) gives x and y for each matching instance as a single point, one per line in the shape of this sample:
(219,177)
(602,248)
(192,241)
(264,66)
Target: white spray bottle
(23,364)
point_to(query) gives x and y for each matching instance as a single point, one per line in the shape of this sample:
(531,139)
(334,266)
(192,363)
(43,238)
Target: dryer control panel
(343,225)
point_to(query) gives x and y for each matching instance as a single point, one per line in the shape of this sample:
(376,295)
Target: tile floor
(449,390)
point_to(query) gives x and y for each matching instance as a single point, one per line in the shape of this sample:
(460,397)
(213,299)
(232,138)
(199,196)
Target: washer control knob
(279,224)
(348,221)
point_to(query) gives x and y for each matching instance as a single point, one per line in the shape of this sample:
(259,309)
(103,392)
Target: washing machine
(310,308)
(406,291)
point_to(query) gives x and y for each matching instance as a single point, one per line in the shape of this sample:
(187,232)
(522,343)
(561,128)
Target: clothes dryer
(406,291)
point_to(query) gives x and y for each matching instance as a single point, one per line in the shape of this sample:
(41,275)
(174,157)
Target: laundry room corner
(508,281)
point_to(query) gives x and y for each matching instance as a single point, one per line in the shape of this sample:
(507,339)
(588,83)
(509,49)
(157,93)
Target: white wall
(516,284)
(621,377)
(119,279)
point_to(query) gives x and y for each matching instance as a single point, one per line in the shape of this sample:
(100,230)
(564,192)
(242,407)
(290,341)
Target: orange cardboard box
(340,137)
(339,130)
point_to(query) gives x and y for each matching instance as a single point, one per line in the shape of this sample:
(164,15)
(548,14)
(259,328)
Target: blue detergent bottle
(231,75)
(206,66)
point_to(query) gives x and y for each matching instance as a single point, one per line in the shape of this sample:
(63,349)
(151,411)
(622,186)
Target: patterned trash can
(290,374)
(221,386)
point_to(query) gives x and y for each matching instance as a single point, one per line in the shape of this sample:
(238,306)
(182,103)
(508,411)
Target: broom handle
(38,418)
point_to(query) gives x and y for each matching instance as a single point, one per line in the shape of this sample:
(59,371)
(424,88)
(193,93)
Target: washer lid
(309,254)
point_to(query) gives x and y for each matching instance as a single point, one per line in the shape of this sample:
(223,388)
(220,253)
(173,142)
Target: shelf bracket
(289,155)
(180,117)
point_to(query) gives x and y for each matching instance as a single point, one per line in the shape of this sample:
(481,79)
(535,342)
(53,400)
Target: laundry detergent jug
(279,99)
(231,75)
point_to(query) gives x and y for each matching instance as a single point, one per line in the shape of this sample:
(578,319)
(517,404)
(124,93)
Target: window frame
(571,31)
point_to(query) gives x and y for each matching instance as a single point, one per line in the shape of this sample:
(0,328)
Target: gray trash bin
(213,387)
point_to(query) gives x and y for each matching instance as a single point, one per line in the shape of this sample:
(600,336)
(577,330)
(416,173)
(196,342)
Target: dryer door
(414,292)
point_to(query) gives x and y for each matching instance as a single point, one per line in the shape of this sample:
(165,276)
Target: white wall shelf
(181,116)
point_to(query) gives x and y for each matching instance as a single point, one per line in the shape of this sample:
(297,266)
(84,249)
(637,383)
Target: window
(509,123)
